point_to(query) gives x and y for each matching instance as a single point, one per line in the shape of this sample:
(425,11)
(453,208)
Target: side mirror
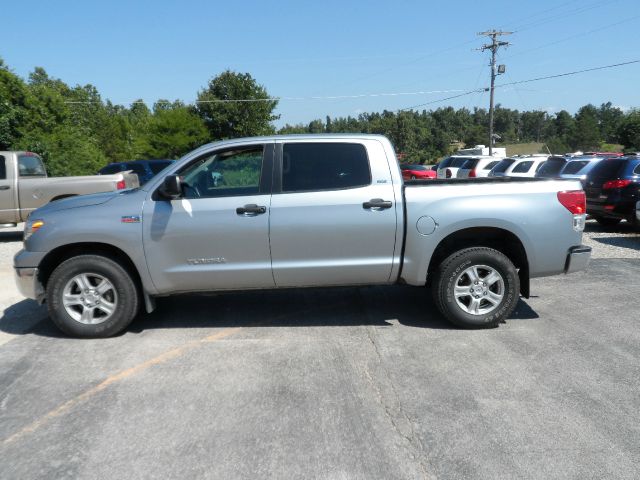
(171,188)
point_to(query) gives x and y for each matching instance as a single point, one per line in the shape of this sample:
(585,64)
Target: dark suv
(613,188)
(145,169)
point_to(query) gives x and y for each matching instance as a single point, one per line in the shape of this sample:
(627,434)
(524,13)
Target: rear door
(217,236)
(8,196)
(333,214)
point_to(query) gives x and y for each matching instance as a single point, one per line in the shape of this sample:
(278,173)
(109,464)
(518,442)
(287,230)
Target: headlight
(32,227)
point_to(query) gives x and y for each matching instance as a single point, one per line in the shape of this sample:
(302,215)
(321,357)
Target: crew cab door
(8,195)
(215,237)
(333,214)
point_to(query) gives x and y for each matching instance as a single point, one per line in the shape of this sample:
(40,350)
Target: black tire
(449,273)
(127,296)
(608,221)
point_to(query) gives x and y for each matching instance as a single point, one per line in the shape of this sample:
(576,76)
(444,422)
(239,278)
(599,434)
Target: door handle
(377,203)
(5,187)
(251,210)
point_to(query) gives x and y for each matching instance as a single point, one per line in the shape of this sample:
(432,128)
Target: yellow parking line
(163,357)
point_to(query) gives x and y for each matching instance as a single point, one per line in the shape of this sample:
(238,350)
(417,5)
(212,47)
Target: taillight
(472,173)
(447,173)
(573,200)
(611,184)
(121,185)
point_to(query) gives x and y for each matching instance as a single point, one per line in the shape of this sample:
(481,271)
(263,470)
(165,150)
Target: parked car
(613,189)
(145,169)
(552,167)
(518,167)
(477,167)
(416,172)
(24,185)
(331,210)
(448,168)
(578,167)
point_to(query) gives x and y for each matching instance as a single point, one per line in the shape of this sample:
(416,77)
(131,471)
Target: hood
(77,201)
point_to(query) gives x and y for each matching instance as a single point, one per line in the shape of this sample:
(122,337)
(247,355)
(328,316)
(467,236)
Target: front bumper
(28,283)
(577,259)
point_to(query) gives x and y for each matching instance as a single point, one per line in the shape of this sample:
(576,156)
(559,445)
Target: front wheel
(476,287)
(92,296)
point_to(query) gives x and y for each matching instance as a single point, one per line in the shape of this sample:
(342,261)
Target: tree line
(77,132)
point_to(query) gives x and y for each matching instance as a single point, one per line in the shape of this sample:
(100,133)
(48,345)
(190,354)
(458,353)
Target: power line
(519,82)
(271,99)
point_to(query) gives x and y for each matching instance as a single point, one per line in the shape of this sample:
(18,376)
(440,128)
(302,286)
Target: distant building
(482,150)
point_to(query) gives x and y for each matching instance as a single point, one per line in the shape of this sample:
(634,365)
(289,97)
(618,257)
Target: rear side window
(572,168)
(608,168)
(445,163)
(636,171)
(3,168)
(457,162)
(522,167)
(30,166)
(502,166)
(324,166)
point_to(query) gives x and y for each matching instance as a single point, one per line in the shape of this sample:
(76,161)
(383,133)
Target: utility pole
(493,46)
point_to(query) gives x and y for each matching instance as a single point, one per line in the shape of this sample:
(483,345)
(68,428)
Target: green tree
(629,131)
(173,130)
(586,132)
(226,119)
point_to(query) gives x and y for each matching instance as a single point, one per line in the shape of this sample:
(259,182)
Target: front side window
(522,167)
(30,166)
(3,168)
(324,166)
(224,174)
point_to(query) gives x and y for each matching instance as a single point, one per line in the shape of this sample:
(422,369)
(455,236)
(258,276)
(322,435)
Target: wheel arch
(493,237)
(58,255)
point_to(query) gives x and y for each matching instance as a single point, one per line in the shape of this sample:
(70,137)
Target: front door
(216,237)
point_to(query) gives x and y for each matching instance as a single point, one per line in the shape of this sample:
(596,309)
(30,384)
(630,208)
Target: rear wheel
(92,296)
(608,221)
(476,287)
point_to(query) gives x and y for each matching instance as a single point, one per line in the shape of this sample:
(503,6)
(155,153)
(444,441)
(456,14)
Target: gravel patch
(621,241)
(10,243)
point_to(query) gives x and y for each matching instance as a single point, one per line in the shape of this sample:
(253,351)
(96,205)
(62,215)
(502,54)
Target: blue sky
(170,49)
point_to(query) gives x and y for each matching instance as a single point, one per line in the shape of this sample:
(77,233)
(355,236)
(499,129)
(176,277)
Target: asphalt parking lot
(336,384)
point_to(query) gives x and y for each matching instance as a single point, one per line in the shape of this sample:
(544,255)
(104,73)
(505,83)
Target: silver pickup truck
(299,211)
(24,185)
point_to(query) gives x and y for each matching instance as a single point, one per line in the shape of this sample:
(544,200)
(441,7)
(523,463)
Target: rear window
(3,168)
(470,164)
(30,166)
(572,168)
(135,168)
(490,165)
(110,169)
(552,166)
(609,168)
(522,167)
(324,166)
(457,162)
(502,165)
(414,167)
(157,167)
